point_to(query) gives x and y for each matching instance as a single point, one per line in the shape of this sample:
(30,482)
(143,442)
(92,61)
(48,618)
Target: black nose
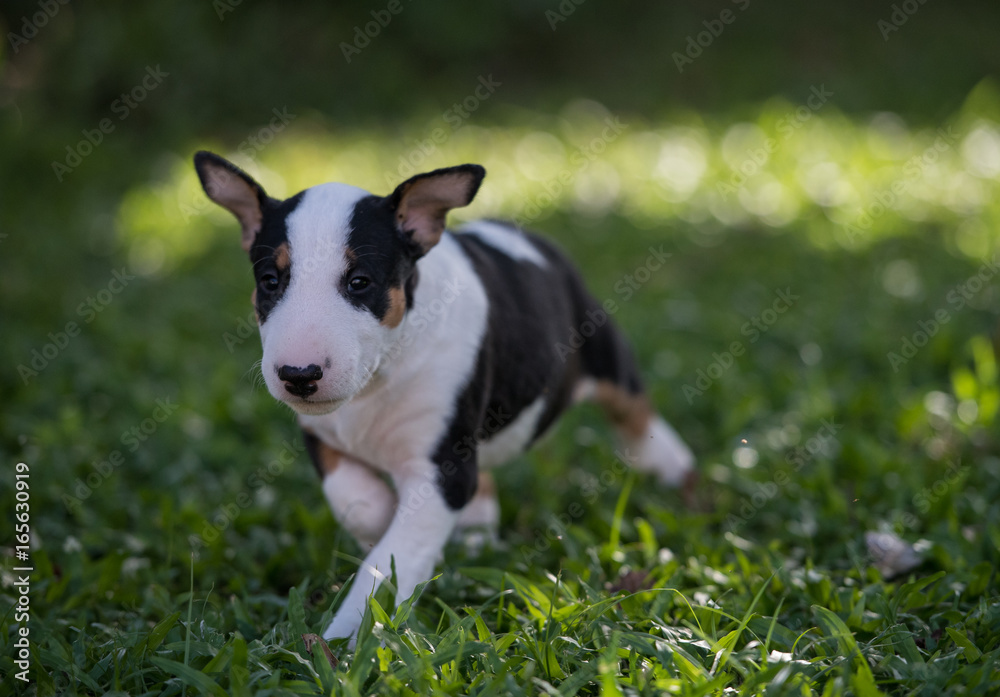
(301,382)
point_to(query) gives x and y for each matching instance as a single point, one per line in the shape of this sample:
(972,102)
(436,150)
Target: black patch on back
(605,354)
(273,232)
(531,309)
(534,315)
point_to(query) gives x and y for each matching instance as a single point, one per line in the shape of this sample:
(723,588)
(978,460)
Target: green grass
(751,592)
(185,568)
(182,544)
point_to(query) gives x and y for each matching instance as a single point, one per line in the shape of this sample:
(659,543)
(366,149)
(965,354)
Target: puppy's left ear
(234,190)
(421,203)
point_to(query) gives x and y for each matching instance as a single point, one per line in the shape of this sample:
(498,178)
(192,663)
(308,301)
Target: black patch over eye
(359,283)
(269,282)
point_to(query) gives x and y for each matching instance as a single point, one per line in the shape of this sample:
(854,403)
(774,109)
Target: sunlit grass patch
(855,181)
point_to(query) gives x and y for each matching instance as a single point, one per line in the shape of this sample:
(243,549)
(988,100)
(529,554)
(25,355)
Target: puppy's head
(335,270)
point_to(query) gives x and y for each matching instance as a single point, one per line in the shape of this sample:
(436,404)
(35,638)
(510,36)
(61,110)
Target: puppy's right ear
(234,190)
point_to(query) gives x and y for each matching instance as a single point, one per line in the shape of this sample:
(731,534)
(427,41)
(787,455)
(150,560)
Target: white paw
(345,624)
(483,511)
(476,538)
(662,452)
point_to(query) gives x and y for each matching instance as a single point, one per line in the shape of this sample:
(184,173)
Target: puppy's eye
(268,282)
(358,283)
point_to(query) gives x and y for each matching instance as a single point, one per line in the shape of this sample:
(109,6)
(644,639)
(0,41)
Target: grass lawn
(793,207)
(808,436)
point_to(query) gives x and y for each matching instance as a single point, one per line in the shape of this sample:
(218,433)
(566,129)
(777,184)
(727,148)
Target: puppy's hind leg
(612,380)
(651,444)
(479,521)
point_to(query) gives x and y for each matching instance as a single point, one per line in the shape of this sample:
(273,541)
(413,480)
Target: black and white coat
(417,358)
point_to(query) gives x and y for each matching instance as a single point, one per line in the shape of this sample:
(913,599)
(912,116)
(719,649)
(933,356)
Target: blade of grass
(616,521)
(187,637)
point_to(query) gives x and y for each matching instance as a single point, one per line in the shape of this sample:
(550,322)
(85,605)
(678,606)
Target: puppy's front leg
(415,539)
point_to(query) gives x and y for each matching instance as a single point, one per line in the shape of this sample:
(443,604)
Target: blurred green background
(849,152)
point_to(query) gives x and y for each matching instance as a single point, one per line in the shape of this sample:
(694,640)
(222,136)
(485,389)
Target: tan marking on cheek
(253,301)
(397,307)
(282,257)
(629,412)
(329,459)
